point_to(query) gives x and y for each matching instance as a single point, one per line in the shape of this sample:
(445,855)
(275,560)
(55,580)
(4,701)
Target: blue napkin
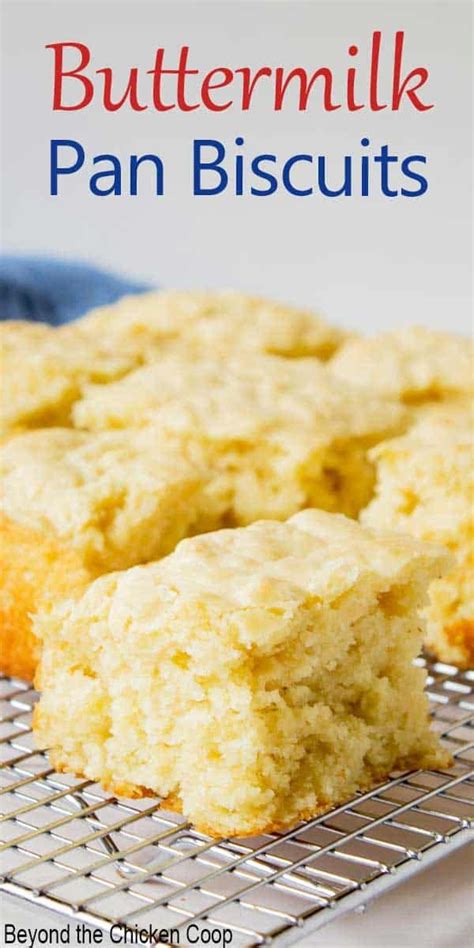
(56,291)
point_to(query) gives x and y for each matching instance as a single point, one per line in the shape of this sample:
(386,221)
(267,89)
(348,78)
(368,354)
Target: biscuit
(253,678)
(284,434)
(414,364)
(425,487)
(76,505)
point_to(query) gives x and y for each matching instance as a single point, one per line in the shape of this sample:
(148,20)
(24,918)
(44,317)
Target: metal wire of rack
(69,846)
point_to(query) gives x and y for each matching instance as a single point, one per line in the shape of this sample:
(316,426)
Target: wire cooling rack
(69,846)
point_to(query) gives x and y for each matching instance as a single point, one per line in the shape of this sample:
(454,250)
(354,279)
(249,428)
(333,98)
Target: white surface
(435,909)
(366,262)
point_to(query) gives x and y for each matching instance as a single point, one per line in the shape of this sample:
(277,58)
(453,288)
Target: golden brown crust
(173,801)
(35,568)
(460,636)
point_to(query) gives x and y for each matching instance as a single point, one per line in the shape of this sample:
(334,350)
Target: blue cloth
(56,291)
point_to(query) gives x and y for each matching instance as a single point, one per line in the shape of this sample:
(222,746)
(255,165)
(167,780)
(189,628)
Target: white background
(367,262)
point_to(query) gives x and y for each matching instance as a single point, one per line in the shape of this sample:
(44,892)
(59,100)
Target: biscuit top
(25,343)
(51,469)
(410,363)
(239,398)
(312,559)
(95,489)
(222,320)
(447,433)
(43,367)
(79,457)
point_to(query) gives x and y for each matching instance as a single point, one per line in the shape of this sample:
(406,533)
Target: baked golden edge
(439,759)
(36,568)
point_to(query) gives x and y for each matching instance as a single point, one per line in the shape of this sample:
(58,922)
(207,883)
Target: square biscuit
(253,678)
(75,505)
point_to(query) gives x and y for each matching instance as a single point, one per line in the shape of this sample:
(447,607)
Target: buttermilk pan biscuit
(425,487)
(414,364)
(283,434)
(75,505)
(253,678)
